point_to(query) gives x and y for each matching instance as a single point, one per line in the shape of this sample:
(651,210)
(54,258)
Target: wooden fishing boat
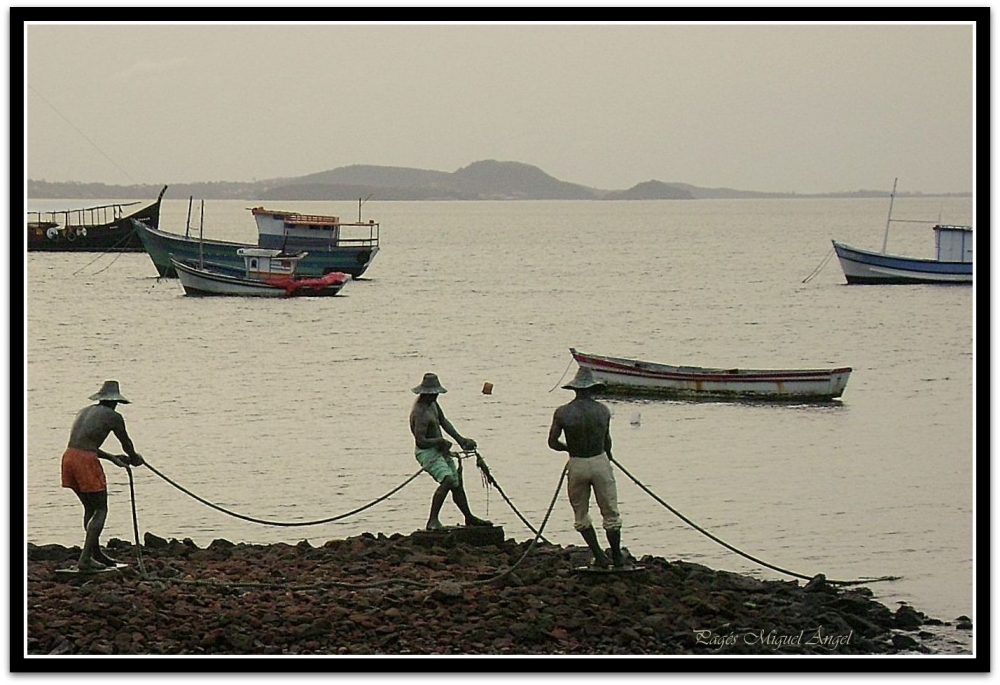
(91,229)
(325,238)
(265,273)
(952,263)
(639,378)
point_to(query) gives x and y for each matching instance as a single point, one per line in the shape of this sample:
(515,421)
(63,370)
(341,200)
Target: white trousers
(593,473)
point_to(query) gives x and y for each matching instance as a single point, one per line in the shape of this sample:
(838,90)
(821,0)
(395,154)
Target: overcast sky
(802,108)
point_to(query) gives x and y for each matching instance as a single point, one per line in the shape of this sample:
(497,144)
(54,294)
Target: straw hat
(430,385)
(584,379)
(109,391)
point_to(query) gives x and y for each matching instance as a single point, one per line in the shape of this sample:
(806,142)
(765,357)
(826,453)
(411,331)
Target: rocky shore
(446,594)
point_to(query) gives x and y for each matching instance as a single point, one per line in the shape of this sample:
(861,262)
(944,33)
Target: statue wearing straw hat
(585,423)
(82,471)
(427,420)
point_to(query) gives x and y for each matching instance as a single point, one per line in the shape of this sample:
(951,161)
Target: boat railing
(86,216)
(371,240)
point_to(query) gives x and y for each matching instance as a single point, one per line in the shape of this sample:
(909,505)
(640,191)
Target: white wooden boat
(266,273)
(633,377)
(952,263)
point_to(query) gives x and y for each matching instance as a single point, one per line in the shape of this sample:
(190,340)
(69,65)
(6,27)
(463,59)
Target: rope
(135,522)
(120,253)
(325,584)
(489,480)
(820,267)
(399,581)
(562,376)
(741,553)
(285,523)
(534,541)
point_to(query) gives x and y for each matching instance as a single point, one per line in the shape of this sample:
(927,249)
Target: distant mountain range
(483,180)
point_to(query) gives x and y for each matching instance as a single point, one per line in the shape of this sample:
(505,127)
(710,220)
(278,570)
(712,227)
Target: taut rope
(725,544)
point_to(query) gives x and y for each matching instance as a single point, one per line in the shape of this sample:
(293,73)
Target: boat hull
(49,234)
(862,267)
(162,245)
(203,283)
(634,377)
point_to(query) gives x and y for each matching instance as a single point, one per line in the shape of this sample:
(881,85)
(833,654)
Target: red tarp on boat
(292,286)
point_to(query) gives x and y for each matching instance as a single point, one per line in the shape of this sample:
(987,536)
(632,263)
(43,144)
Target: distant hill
(482,180)
(653,190)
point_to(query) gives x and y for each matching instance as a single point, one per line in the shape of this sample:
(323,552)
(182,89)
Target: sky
(805,108)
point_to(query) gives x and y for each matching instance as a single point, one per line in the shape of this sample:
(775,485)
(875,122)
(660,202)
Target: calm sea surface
(296,410)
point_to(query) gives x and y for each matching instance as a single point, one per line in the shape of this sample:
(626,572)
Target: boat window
(253,263)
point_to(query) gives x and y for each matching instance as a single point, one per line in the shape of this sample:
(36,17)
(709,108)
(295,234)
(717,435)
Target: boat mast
(885,240)
(201,238)
(360,202)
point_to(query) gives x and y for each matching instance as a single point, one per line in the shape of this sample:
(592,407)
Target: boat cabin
(262,263)
(292,230)
(954,243)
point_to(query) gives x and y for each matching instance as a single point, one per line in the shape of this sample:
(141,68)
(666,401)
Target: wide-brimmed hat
(584,379)
(109,391)
(430,385)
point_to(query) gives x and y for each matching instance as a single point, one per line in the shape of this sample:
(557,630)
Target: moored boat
(325,238)
(91,229)
(952,263)
(640,378)
(265,273)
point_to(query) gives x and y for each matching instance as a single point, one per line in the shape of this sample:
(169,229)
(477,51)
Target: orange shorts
(82,471)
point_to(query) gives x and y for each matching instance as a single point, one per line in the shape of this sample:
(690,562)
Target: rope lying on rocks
(741,553)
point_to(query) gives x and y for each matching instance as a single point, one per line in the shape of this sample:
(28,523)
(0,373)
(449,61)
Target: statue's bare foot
(90,565)
(435,525)
(475,521)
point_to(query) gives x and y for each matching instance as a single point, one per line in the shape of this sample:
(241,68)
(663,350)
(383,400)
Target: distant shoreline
(487,180)
(185,191)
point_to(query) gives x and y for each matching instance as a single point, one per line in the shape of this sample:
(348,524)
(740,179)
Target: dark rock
(153,541)
(448,591)
(907,618)
(817,584)
(904,642)
(411,595)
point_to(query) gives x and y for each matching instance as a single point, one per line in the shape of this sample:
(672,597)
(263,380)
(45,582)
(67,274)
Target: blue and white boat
(952,264)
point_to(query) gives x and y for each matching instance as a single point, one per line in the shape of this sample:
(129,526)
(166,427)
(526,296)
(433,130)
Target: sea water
(296,410)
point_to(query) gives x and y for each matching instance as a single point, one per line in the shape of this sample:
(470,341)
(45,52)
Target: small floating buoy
(487,388)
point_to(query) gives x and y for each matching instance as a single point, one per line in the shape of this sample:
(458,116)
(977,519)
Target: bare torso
(585,423)
(425,423)
(92,426)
